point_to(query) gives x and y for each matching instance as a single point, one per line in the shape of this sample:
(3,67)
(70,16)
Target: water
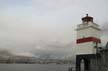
(33,67)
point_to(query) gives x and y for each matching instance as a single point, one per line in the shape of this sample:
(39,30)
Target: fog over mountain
(51,50)
(47,27)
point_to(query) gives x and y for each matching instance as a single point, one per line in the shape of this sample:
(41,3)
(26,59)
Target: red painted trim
(88,39)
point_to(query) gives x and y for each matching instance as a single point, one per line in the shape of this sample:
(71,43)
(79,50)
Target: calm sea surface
(33,67)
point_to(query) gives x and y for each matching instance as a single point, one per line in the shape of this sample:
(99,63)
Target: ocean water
(34,67)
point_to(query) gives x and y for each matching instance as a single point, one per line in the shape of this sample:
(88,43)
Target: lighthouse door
(82,64)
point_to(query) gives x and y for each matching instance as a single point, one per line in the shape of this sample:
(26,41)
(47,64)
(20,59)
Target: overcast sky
(34,27)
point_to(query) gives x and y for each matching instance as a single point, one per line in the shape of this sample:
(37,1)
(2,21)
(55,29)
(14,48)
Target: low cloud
(51,5)
(44,28)
(105,28)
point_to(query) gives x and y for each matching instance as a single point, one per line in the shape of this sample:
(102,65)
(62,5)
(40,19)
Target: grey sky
(28,27)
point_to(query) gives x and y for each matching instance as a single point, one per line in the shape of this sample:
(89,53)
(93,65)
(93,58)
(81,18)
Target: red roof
(87,18)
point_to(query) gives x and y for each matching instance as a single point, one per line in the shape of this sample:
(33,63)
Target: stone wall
(104,60)
(100,61)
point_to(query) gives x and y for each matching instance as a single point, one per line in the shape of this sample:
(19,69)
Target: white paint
(85,30)
(88,30)
(86,48)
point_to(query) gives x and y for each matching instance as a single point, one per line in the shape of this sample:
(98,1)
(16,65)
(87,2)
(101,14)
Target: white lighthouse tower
(88,34)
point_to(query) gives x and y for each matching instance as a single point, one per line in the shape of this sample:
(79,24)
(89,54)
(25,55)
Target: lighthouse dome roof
(87,18)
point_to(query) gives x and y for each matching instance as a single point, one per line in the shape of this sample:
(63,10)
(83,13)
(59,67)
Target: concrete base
(87,61)
(93,62)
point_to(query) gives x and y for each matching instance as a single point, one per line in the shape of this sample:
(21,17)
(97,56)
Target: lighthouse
(88,35)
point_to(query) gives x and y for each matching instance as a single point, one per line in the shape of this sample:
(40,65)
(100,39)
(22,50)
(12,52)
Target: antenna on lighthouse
(87,15)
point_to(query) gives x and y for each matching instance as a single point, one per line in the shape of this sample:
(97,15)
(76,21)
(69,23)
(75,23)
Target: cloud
(43,6)
(44,26)
(5,52)
(24,54)
(54,49)
(105,28)
(104,35)
(6,3)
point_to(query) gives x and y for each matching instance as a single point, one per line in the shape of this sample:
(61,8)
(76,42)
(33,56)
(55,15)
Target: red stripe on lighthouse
(88,39)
